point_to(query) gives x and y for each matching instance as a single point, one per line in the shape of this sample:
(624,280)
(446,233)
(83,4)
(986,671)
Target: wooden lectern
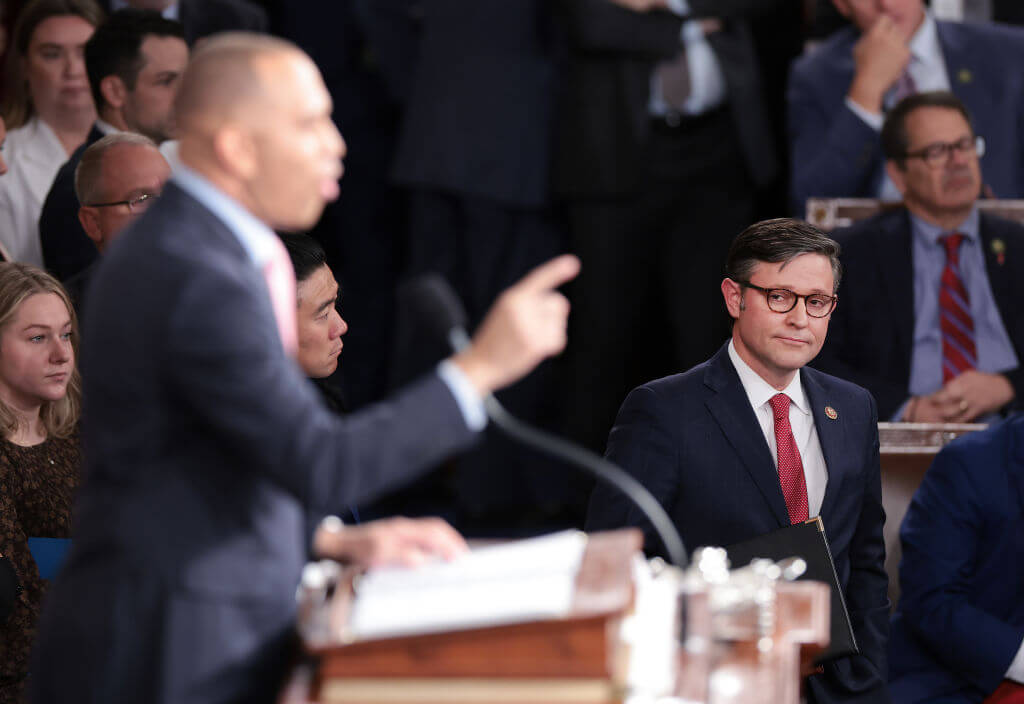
(756,647)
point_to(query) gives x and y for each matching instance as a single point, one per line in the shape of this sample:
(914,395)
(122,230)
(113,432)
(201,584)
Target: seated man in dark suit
(839,92)
(134,61)
(928,321)
(319,320)
(958,632)
(753,440)
(118,178)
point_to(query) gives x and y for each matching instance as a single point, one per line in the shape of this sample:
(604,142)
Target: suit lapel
(893,237)
(963,70)
(830,435)
(730,407)
(999,277)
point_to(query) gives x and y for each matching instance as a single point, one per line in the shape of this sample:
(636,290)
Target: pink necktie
(791,468)
(280,278)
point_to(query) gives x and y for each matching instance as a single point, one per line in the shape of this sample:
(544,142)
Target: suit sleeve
(862,677)
(226,365)
(832,155)
(641,444)
(940,536)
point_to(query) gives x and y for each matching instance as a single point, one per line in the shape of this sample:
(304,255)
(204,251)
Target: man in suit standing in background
(662,144)
(206,446)
(929,322)
(753,440)
(839,93)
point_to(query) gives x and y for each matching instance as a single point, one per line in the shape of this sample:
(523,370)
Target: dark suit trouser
(482,246)
(648,300)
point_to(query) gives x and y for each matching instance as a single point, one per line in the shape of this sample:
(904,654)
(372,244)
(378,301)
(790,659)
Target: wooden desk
(831,213)
(907,450)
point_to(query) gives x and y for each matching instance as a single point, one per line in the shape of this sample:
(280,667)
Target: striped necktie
(958,349)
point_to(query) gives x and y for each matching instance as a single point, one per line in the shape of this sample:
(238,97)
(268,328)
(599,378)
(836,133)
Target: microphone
(437,304)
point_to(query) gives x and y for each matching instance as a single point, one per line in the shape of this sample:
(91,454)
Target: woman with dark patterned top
(40,396)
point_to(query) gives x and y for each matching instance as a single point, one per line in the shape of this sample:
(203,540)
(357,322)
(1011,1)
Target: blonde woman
(40,399)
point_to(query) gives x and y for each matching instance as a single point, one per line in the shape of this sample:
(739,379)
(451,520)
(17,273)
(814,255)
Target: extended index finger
(551,274)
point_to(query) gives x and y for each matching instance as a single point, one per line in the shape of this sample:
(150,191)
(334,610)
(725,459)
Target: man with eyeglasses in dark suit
(753,440)
(927,321)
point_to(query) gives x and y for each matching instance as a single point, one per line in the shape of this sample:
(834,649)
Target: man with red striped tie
(927,323)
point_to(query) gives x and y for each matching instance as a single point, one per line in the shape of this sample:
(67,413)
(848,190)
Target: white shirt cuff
(873,120)
(1016,670)
(680,7)
(466,396)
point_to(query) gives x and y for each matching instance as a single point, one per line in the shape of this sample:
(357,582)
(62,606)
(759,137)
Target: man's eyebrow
(326,304)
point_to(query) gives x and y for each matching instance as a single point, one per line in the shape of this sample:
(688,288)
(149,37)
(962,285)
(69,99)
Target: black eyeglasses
(135,205)
(782,300)
(936,155)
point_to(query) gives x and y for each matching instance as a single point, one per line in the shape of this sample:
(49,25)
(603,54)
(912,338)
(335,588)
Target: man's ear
(114,92)
(732,292)
(237,152)
(91,225)
(898,175)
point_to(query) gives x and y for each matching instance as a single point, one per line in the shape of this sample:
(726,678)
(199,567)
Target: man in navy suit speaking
(753,440)
(205,445)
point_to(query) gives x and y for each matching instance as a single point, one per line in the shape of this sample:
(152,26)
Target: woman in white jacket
(49,112)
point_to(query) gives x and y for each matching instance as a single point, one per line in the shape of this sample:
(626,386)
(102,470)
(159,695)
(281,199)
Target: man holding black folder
(752,440)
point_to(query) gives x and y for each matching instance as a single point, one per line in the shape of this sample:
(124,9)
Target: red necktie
(791,468)
(958,351)
(280,278)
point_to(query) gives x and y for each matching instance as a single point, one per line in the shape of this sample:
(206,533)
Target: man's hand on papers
(393,541)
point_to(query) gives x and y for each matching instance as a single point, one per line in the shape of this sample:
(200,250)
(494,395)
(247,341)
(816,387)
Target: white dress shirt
(34,154)
(759,393)
(707,80)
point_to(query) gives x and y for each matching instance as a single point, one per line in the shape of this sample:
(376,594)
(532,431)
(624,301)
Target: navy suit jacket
(836,154)
(960,619)
(693,440)
(871,334)
(66,248)
(205,447)
(480,114)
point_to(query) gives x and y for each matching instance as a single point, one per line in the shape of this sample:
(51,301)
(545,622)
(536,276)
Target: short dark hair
(895,140)
(115,47)
(306,253)
(779,240)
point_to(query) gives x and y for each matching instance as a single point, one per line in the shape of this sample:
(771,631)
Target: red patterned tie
(791,468)
(958,350)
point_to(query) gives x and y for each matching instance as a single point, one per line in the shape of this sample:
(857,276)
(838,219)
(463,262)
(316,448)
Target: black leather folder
(808,541)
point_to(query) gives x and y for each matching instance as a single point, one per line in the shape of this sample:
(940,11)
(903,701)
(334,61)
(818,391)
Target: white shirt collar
(759,391)
(253,234)
(924,45)
(105,127)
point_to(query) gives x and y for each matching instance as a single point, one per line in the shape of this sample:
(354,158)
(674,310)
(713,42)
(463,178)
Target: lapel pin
(999,249)
(964,76)
(831,412)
